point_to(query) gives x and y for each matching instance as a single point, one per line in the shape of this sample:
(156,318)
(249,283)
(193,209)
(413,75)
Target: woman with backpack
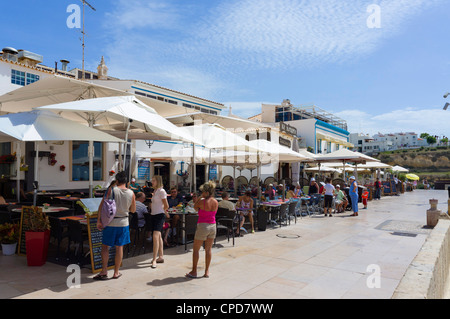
(117,232)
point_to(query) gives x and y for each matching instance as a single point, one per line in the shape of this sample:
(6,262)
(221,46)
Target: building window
(80,161)
(31,78)
(18,77)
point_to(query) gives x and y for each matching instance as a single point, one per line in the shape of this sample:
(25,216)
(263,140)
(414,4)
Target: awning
(333,139)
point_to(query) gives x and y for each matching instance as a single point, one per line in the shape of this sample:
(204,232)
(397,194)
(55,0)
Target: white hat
(271,185)
(338,186)
(352,177)
(313,179)
(133,179)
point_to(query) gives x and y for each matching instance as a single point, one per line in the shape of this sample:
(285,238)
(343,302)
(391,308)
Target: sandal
(100,277)
(117,277)
(188,275)
(160,261)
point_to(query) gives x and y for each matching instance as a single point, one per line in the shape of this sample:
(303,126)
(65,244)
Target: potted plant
(52,159)
(37,238)
(9,234)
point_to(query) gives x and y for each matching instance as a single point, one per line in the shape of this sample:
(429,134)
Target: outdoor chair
(4,218)
(78,236)
(292,210)
(283,214)
(313,205)
(147,227)
(15,216)
(189,227)
(134,226)
(299,209)
(58,232)
(225,221)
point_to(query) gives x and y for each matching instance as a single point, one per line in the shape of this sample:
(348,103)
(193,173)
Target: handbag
(108,211)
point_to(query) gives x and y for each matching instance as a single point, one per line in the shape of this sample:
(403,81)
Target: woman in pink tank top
(206,227)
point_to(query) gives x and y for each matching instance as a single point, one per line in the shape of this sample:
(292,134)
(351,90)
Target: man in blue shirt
(174,199)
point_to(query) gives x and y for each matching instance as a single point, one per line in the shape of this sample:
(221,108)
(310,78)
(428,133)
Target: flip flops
(100,277)
(117,277)
(188,275)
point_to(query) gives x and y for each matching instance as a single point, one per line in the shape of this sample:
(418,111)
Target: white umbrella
(276,152)
(184,154)
(119,113)
(344,155)
(214,136)
(397,168)
(40,125)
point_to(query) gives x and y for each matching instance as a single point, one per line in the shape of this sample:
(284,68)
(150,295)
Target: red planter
(37,247)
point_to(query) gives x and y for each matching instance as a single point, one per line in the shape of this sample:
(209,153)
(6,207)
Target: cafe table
(179,211)
(50,209)
(71,199)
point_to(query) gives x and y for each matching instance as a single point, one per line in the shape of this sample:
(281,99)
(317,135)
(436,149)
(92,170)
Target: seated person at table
(341,199)
(141,209)
(313,187)
(246,203)
(225,202)
(314,192)
(134,186)
(270,192)
(194,199)
(2,200)
(298,190)
(173,200)
(291,193)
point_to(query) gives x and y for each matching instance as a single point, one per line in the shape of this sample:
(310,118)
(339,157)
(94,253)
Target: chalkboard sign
(25,215)
(386,188)
(393,187)
(95,246)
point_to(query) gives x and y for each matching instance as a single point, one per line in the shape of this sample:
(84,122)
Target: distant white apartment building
(373,145)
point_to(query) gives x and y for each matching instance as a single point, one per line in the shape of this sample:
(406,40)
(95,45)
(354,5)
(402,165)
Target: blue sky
(246,52)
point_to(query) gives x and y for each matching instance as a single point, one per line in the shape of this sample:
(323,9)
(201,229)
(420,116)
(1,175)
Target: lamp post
(446,104)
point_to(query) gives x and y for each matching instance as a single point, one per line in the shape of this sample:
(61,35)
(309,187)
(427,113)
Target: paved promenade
(319,257)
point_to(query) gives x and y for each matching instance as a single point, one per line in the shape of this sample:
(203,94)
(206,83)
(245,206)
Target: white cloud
(284,34)
(217,42)
(434,121)
(136,14)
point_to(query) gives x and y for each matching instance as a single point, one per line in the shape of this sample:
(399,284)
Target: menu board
(386,188)
(90,205)
(26,212)
(95,246)
(393,187)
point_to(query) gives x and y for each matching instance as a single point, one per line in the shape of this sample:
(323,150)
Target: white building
(319,131)
(385,142)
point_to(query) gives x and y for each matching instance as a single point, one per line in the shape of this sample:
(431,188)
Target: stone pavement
(317,258)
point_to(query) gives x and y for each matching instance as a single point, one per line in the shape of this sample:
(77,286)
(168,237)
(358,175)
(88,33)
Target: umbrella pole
(125,151)
(91,159)
(36,163)
(194,167)
(18,156)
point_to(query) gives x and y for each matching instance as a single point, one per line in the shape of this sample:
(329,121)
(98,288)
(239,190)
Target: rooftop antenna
(84,33)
